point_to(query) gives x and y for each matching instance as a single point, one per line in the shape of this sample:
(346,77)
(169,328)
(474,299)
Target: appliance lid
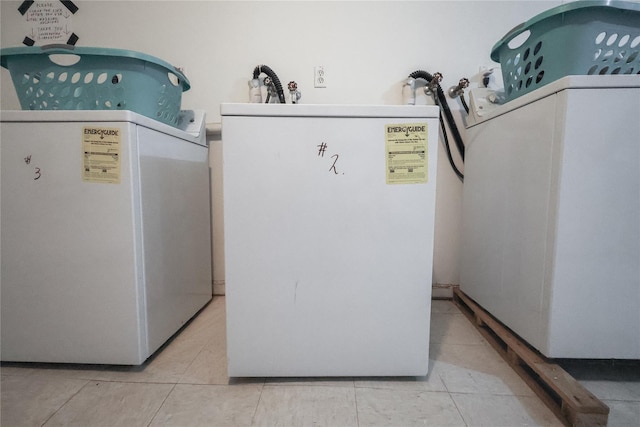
(608,81)
(193,127)
(329,110)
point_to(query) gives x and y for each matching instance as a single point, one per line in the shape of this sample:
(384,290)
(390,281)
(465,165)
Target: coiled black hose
(441,100)
(276,81)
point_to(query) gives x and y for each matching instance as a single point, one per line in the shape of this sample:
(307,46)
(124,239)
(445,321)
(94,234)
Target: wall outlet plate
(319,76)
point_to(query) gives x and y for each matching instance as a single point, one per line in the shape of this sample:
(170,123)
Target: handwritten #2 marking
(322,148)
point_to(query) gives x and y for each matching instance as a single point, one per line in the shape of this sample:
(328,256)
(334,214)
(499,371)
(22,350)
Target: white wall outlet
(319,76)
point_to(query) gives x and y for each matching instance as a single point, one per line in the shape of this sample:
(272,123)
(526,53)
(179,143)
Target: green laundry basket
(62,77)
(579,38)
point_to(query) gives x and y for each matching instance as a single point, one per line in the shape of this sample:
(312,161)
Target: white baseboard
(218,287)
(439,291)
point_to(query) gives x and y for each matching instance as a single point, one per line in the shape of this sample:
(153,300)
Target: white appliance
(551,217)
(328,253)
(105,234)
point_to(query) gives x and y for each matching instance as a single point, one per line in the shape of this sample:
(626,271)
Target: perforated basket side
(582,40)
(96,82)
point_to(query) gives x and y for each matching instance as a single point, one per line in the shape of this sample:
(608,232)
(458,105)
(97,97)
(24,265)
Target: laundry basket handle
(57,47)
(512,33)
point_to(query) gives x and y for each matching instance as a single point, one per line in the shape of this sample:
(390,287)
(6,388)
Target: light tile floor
(185,384)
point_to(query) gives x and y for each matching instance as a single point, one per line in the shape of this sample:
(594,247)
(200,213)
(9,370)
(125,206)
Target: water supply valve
(294,92)
(272,92)
(456,91)
(432,87)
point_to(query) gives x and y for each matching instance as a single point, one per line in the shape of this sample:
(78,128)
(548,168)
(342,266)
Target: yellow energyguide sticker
(407,154)
(101,155)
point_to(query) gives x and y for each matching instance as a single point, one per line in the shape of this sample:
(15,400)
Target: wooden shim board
(573,404)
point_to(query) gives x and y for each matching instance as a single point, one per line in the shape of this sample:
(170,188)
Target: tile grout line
(173,387)
(255,411)
(66,401)
(355,399)
(192,362)
(444,383)
(455,404)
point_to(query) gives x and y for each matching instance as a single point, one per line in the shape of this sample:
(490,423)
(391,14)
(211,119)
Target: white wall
(366,47)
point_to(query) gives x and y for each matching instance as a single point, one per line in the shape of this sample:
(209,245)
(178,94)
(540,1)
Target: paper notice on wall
(48,21)
(101,149)
(407,154)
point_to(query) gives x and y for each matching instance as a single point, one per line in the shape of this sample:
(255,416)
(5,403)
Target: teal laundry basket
(578,38)
(62,77)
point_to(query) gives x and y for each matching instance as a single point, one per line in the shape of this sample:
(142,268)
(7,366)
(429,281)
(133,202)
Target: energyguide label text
(101,155)
(407,154)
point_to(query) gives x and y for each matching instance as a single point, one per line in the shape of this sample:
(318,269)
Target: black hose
(276,81)
(464,103)
(441,100)
(446,145)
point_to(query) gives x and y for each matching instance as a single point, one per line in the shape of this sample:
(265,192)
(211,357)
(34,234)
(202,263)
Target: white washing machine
(551,217)
(329,224)
(105,234)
